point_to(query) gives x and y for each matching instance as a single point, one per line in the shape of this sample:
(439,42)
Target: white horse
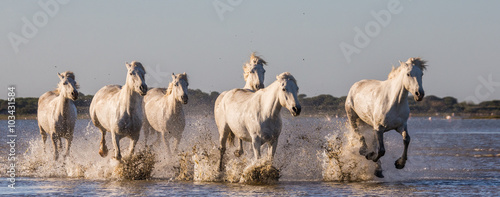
(383,105)
(255,116)
(57,113)
(163,111)
(253,73)
(118,110)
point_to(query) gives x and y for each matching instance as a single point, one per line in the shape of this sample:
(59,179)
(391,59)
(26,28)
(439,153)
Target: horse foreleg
(103,149)
(256,143)
(133,142)
(165,139)
(400,163)
(54,143)
(177,140)
(69,139)
(378,169)
(272,149)
(116,145)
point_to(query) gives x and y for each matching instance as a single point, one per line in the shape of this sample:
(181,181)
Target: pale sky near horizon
(460,40)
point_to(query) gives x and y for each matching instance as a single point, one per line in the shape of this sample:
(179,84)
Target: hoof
(400,163)
(119,158)
(238,153)
(103,153)
(371,156)
(378,173)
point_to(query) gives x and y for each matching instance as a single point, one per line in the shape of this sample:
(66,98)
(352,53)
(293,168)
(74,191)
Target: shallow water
(446,157)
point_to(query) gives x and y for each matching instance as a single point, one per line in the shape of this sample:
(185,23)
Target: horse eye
(408,74)
(284,89)
(130,74)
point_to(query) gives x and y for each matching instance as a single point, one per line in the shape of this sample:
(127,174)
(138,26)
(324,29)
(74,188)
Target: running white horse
(383,105)
(253,73)
(118,110)
(255,116)
(163,111)
(57,113)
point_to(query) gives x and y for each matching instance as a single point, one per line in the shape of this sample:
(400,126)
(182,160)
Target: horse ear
(184,73)
(61,77)
(173,76)
(127,65)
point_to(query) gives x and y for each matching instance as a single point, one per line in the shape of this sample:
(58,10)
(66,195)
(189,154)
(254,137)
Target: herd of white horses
(251,113)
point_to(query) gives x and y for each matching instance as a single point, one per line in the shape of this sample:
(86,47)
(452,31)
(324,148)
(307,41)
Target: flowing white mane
(248,66)
(415,61)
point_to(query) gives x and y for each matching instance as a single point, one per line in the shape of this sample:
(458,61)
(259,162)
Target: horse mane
(415,61)
(67,74)
(171,84)
(286,76)
(254,60)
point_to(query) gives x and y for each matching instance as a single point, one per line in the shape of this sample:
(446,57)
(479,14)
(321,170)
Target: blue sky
(210,40)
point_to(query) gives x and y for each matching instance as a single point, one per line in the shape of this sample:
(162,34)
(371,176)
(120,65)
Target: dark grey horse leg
(400,163)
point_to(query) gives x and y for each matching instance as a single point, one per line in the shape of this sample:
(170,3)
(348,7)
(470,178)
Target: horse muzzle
(74,95)
(259,86)
(296,110)
(418,96)
(185,99)
(143,90)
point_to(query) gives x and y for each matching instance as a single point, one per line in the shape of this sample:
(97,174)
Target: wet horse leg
(400,163)
(353,118)
(116,144)
(103,149)
(223,134)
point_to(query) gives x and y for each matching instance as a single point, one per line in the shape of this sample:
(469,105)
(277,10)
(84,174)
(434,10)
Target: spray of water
(341,160)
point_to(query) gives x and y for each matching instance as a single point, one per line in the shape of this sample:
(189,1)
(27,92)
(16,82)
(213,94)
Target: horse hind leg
(353,119)
(239,151)
(378,169)
(223,135)
(44,137)
(103,149)
(379,137)
(400,163)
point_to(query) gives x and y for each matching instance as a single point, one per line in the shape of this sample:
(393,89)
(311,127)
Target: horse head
(67,86)
(179,87)
(135,77)
(288,93)
(253,72)
(413,72)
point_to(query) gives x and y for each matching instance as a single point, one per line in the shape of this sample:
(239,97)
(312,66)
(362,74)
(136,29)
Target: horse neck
(269,101)
(129,99)
(171,104)
(397,93)
(248,86)
(62,104)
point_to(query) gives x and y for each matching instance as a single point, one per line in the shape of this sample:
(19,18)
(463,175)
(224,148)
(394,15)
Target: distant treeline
(201,103)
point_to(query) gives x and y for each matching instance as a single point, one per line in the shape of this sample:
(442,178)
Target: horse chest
(128,124)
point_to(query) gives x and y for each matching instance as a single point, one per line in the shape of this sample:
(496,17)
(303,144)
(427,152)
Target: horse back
(104,105)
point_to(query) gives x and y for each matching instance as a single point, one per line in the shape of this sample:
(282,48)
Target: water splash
(341,160)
